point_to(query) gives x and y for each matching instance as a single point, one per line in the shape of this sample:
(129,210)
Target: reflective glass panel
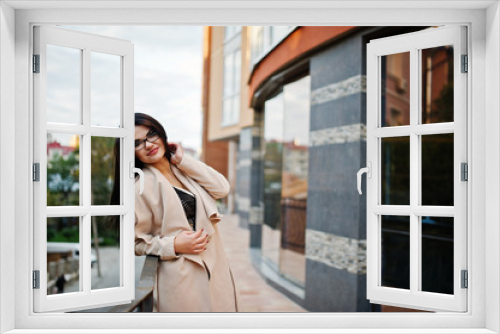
(395,171)
(395,89)
(437,84)
(103,171)
(437,170)
(63,85)
(395,251)
(294,179)
(437,254)
(105,253)
(237,71)
(63,255)
(105,89)
(228,74)
(63,169)
(273,166)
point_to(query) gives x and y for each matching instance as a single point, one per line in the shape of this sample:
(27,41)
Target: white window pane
(63,84)
(105,89)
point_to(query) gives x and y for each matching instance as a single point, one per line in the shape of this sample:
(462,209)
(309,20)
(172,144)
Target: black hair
(153,124)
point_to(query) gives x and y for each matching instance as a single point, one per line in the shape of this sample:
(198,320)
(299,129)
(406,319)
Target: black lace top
(189,204)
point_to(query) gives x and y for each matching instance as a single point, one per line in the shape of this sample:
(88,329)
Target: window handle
(368,171)
(134,170)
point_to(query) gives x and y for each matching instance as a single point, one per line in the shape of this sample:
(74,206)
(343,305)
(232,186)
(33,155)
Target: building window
(264,38)
(286,162)
(232,76)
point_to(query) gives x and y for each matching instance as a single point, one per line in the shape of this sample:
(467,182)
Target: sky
(168,72)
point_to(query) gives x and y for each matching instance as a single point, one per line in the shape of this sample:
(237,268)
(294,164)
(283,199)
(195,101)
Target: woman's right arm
(148,209)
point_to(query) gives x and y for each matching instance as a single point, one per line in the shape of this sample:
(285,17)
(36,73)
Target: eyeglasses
(151,137)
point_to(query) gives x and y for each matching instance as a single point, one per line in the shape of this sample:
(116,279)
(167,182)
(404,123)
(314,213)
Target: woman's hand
(190,242)
(177,153)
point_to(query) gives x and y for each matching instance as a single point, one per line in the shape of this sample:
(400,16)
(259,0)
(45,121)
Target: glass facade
(286,161)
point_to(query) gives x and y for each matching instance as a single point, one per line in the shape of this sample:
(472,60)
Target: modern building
(285,112)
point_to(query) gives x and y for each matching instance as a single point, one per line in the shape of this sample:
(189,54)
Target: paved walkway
(255,295)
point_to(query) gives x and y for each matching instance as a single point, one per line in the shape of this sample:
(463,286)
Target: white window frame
(413,43)
(86,43)
(483,20)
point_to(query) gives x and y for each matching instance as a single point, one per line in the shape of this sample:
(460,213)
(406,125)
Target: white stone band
(350,86)
(338,135)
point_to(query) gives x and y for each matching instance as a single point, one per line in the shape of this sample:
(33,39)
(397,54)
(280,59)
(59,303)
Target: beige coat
(189,282)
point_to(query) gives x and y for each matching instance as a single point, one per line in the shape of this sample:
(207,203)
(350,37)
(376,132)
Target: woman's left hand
(178,153)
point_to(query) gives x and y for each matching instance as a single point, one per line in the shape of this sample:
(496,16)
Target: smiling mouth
(153,151)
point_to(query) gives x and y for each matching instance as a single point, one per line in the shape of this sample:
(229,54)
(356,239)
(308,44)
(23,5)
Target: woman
(176,219)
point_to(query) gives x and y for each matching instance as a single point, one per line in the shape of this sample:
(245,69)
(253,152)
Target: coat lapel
(202,220)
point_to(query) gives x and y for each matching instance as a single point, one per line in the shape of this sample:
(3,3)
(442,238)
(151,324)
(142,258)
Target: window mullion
(414,174)
(85,153)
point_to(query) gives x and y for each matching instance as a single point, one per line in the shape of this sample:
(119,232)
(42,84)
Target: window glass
(105,254)
(294,179)
(228,74)
(105,89)
(395,245)
(437,84)
(395,84)
(63,169)
(232,82)
(286,164)
(103,173)
(437,254)
(395,170)
(437,169)
(63,255)
(273,169)
(63,85)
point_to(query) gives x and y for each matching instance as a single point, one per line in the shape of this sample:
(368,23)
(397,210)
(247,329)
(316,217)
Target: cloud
(167,79)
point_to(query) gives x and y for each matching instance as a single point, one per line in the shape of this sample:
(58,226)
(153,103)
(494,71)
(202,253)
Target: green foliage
(102,167)
(63,174)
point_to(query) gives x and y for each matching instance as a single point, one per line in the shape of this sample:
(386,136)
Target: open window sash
(49,294)
(414,295)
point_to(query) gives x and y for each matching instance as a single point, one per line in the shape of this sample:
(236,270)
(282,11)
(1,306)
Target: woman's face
(150,153)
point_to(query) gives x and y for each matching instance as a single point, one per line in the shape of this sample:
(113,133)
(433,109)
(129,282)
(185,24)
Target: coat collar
(205,204)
